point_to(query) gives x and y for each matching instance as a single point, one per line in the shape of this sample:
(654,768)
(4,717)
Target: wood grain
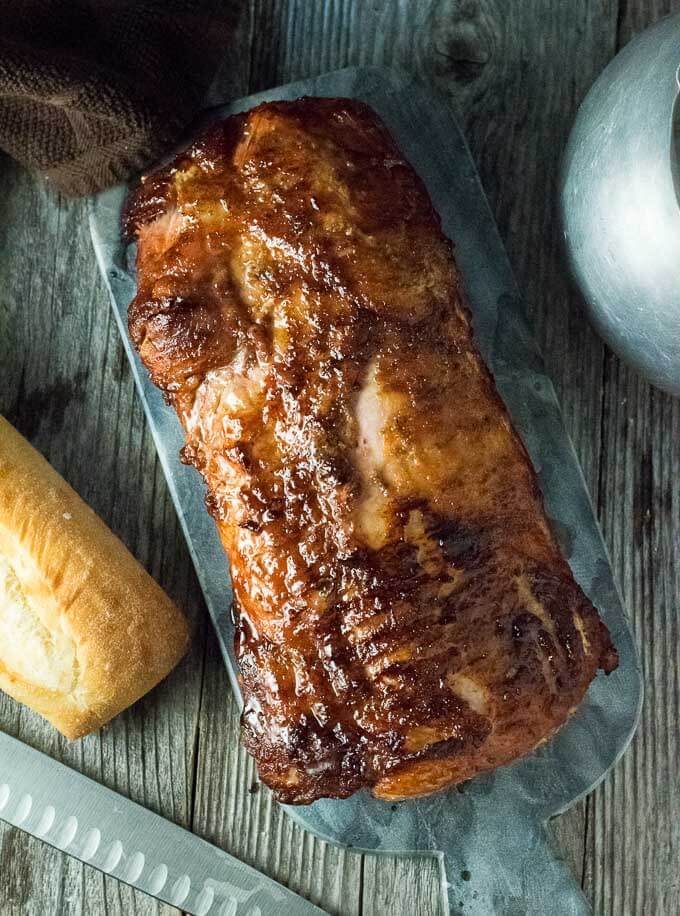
(634,824)
(632,843)
(65,383)
(517,76)
(515,73)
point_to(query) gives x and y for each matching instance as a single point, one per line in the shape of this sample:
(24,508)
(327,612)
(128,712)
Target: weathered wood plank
(64,382)
(634,832)
(635,16)
(515,74)
(408,884)
(633,825)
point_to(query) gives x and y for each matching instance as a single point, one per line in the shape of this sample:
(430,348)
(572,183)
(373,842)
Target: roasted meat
(405,618)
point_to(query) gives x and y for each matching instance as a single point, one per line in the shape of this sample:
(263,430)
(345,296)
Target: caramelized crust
(405,618)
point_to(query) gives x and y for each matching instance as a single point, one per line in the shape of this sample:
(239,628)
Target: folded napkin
(92,91)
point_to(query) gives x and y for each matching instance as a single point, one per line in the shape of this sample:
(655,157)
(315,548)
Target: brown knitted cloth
(92,91)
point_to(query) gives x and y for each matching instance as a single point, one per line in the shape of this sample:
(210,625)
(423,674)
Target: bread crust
(102,632)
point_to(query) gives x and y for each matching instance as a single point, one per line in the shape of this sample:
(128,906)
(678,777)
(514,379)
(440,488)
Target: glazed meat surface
(405,619)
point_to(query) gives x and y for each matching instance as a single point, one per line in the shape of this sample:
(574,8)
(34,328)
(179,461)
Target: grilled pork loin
(405,618)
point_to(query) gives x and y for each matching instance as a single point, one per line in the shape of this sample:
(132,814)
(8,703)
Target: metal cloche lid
(619,204)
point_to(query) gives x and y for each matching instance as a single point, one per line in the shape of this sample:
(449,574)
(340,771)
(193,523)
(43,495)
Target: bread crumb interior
(34,646)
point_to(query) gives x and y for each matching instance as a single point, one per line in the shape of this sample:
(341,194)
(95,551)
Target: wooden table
(515,72)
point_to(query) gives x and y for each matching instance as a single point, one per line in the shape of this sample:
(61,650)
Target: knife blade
(115,835)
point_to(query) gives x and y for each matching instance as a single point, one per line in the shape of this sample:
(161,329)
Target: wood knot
(461,39)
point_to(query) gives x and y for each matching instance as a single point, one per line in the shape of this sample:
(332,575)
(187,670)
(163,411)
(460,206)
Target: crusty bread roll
(84,630)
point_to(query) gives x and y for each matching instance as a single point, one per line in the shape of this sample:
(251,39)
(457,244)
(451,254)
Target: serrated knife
(108,831)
